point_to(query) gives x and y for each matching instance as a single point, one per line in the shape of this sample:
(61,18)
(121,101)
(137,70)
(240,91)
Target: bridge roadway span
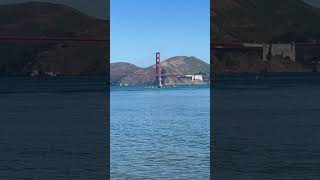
(256,45)
(282,49)
(46,39)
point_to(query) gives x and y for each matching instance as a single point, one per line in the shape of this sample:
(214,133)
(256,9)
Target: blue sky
(139,28)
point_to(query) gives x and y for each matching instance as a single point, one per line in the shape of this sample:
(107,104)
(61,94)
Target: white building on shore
(195,77)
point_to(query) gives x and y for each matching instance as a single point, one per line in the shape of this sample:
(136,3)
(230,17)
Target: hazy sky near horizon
(97,8)
(140,28)
(313,2)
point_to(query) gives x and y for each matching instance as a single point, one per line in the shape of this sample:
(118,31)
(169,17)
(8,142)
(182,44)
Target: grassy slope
(119,70)
(46,19)
(261,21)
(175,65)
(265,21)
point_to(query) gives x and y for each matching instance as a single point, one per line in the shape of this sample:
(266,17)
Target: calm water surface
(160,133)
(267,129)
(52,128)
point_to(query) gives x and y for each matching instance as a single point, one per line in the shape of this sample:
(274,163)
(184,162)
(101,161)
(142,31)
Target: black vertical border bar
(107,94)
(212,120)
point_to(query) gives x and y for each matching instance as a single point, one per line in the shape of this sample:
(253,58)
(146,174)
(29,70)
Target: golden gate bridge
(45,39)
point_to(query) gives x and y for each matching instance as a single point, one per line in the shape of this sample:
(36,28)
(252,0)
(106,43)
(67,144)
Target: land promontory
(178,70)
(271,22)
(41,19)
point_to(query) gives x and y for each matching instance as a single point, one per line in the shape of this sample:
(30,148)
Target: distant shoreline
(214,75)
(164,87)
(264,74)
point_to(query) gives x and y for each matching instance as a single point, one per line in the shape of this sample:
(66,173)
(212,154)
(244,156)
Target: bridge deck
(22,39)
